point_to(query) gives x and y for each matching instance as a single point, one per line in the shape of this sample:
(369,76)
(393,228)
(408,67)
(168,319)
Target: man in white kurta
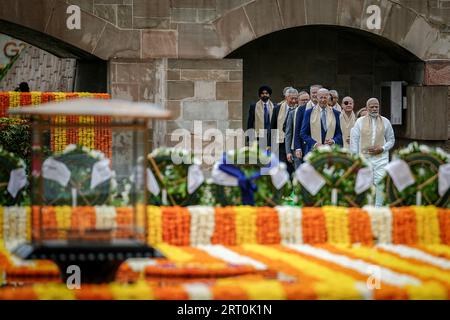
(373,137)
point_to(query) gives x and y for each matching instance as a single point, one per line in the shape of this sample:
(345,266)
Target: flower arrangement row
(97,137)
(197,225)
(301,272)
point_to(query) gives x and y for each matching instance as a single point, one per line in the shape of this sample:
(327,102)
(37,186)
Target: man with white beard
(373,137)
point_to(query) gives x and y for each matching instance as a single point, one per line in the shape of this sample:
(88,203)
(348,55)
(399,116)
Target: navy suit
(298,141)
(251,120)
(305,132)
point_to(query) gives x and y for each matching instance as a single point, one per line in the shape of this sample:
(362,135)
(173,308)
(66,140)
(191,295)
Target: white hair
(285,90)
(323,90)
(372,100)
(334,92)
(291,91)
(315,86)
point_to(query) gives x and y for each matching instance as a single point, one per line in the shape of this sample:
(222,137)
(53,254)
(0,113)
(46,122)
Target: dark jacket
(305,132)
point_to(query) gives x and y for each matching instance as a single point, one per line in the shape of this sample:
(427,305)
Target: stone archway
(42,23)
(399,24)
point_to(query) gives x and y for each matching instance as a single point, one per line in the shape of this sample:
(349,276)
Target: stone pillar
(437,73)
(140,81)
(208,91)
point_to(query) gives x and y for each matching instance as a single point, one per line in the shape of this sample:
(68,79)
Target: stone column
(437,73)
(206,92)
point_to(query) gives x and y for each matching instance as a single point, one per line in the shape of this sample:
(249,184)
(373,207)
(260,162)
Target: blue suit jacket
(298,141)
(306,131)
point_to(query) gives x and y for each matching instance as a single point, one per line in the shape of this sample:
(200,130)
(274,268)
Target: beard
(373,114)
(265,99)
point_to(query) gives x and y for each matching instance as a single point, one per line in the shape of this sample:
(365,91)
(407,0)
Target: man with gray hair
(320,126)
(279,116)
(294,119)
(373,137)
(334,101)
(313,93)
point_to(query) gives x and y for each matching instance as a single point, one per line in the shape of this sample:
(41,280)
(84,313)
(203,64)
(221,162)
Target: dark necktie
(266,117)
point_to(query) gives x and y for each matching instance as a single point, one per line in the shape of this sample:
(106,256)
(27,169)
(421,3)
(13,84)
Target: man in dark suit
(295,122)
(321,125)
(278,125)
(260,113)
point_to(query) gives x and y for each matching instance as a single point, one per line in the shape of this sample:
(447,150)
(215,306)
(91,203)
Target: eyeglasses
(346,103)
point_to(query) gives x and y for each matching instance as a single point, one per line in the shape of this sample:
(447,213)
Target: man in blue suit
(294,124)
(320,125)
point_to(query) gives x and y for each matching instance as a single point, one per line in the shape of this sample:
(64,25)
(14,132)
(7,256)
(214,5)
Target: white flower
(442,153)
(70,148)
(325,148)
(424,149)
(422,172)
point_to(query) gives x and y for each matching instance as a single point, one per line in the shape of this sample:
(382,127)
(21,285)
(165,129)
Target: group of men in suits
(304,121)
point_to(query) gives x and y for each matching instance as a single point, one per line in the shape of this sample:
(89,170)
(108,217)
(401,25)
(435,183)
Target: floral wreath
(172,177)
(424,163)
(264,192)
(80,161)
(11,164)
(339,169)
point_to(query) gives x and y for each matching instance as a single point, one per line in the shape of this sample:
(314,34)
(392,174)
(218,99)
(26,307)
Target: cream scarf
(347,124)
(259,115)
(366,133)
(280,121)
(316,125)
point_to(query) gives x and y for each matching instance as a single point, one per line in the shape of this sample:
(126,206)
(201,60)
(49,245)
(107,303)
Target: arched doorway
(352,61)
(91,71)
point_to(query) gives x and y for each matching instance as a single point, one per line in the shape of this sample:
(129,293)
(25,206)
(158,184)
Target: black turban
(267,88)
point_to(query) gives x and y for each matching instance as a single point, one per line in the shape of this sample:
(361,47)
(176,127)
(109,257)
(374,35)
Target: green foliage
(339,168)
(9,162)
(15,137)
(424,164)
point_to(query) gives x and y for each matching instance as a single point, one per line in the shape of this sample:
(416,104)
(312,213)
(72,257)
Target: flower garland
(200,225)
(424,163)
(80,161)
(11,163)
(91,136)
(290,221)
(339,169)
(310,272)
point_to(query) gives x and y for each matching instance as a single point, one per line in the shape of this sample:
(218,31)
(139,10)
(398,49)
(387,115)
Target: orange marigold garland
(268,226)
(359,226)
(99,137)
(225,226)
(444,225)
(404,226)
(176,226)
(313,226)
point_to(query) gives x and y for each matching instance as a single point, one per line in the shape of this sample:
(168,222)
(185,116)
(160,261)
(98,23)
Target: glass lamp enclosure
(93,190)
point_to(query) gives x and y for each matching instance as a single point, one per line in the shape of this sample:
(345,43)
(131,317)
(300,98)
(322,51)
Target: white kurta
(377,162)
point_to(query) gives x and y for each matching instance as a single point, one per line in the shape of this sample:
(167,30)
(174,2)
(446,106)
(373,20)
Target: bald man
(320,126)
(373,137)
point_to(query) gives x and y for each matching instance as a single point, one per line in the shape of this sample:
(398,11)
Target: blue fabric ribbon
(247,184)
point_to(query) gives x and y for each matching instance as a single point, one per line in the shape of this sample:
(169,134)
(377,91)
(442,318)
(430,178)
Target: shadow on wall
(353,62)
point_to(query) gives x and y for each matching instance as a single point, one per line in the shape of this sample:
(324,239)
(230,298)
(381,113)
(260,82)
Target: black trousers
(283,158)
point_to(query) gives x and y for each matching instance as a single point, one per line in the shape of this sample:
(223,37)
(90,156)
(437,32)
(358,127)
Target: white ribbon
(195,178)
(401,174)
(444,179)
(310,179)
(279,175)
(364,180)
(17,180)
(56,171)
(152,184)
(101,172)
